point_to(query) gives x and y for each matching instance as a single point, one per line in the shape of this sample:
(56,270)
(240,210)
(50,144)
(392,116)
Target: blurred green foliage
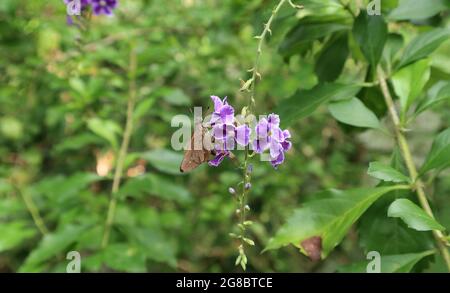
(63,97)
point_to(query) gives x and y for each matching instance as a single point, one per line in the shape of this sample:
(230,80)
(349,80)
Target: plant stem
(124,146)
(251,102)
(261,38)
(407,156)
(34,212)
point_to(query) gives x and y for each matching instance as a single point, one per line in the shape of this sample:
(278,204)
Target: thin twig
(34,211)
(123,147)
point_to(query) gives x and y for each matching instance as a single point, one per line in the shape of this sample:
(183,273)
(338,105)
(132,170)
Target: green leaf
(52,245)
(354,112)
(155,185)
(177,97)
(433,99)
(370,33)
(386,173)
(394,44)
(304,102)
(60,189)
(143,107)
(423,45)
(14,234)
(401,263)
(106,129)
(77,142)
(155,244)
(164,160)
(413,9)
(413,216)
(329,217)
(409,82)
(124,258)
(439,155)
(308,30)
(332,57)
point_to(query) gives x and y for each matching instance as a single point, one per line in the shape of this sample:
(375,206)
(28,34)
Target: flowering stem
(250,85)
(406,152)
(123,148)
(261,39)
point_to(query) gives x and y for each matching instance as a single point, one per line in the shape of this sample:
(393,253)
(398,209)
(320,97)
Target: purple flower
(103,6)
(270,137)
(226,132)
(223,113)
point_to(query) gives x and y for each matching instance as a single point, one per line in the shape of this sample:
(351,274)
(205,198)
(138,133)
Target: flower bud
(248,185)
(231,190)
(250,168)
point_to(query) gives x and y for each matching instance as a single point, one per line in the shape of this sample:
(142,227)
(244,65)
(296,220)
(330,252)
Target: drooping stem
(123,148)
(407,156)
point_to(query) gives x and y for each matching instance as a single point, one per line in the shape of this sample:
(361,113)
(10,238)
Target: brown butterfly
(195,154)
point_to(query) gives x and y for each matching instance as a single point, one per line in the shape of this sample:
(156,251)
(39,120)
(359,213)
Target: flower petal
(276,134)
(275,148)
(274,120)
(260,145)
(227,114)
(286,134)
(221,130)
(278,160)
(262,128)
(286,145)
(217,103)
(218,159)
(242,135)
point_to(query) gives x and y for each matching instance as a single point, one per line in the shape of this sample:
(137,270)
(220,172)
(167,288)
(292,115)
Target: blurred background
(63,97)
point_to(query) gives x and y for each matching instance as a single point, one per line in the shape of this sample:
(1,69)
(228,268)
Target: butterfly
(195,155)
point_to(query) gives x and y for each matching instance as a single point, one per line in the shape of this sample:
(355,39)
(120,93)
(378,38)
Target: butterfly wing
(194,157)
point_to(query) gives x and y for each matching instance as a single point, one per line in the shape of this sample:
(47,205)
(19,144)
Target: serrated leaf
(305,102)
(413,9)
(439,155)
(370,33)
(386,173)
(410,81)
(328,217)
(401,263)
(423,45)
(415,217)
(354,112)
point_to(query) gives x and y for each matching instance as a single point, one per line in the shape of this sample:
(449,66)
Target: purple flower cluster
(269,136)
(105,7)
(227,132)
